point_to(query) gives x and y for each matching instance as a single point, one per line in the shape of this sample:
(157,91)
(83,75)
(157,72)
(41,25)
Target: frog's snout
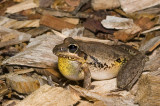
(57,49)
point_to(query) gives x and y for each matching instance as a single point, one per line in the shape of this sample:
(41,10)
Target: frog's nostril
(61,49)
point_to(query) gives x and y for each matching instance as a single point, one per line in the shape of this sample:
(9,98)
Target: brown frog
(78,60)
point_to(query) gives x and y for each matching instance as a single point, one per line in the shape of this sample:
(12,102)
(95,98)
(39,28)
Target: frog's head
(69,48)
(69,59)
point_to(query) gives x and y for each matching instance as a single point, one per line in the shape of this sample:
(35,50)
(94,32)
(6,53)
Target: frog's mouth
(70,56)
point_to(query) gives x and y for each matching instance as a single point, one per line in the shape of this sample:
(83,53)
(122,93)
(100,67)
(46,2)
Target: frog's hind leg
(130,72)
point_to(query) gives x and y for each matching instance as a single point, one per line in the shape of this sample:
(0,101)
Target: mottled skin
(79,60)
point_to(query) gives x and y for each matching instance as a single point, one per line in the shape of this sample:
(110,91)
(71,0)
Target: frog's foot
(87,76)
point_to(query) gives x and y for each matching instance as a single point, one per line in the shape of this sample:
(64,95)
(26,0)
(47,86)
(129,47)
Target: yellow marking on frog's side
(117,65)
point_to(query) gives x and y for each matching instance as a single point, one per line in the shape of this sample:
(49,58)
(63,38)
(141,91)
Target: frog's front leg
(87,76)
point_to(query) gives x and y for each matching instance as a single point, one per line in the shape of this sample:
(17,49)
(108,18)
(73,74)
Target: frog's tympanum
(78,60)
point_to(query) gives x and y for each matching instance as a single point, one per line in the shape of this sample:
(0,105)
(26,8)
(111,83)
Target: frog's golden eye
(73,48)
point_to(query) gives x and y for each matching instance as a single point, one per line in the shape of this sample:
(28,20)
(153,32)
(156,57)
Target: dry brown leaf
(27,4)
(10,102)
(104,4)
(62,6)
(45,3)
(95,26)
(4,4)
(104,86)
(18,0)
(73,3)
(148,23)
(38,53)
(22,84)
(28,12)
(154,61)
(150,45)
(50,72)
(12,37)
(128,34)
(74,21)
(152,29)
(148,37)
(55,23)
(149,89)
(4,89)
(85,103)
(112,22)
(38,31)
(121,35)
(31,14)
(73,32)
(130,6)
(154,46)
(99,103)
(107,99)
(50,96)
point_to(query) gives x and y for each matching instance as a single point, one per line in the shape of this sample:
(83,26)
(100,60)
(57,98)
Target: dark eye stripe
(72,48)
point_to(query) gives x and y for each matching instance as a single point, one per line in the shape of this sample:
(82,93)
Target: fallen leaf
(104,86)
(108,99)
(50,96)
(22,84)
(73,3)
(27,4)
(62,5)
(130,6)
(104,4)
(112,22)
(149,89)
(128,34)
(148,23)
(95,26)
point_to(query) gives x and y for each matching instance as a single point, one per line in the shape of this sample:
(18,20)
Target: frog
(80,60)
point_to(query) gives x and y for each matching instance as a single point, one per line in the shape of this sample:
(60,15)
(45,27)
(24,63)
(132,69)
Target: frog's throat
(70,69)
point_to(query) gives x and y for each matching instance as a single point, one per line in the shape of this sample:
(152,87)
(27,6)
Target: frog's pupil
(72,48)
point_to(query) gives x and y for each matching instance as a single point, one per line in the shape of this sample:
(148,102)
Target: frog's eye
(72,48)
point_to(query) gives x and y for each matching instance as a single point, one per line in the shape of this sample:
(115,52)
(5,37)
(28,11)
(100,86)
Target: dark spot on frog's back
(129,49)
(102,65)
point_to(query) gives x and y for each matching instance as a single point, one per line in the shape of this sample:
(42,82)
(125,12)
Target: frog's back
(104,60)
(103,51)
